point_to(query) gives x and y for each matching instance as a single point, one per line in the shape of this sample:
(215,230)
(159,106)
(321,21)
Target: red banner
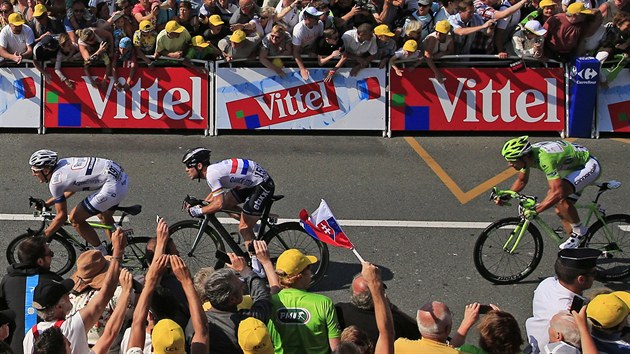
(485,99)
(160,98)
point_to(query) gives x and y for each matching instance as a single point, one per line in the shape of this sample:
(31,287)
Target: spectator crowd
(335,33)
(268,308)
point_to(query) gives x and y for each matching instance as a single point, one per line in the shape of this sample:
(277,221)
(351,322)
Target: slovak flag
(323,226)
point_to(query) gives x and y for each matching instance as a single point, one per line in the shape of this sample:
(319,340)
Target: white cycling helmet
(43,158)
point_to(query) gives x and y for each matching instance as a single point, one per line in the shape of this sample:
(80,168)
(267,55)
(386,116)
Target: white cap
(313,12)
(535,27)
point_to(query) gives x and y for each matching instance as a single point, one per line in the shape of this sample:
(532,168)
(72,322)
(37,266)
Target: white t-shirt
(148,344)
(16,43)
(72,328)
(399,54)
(351,43)
(304,36)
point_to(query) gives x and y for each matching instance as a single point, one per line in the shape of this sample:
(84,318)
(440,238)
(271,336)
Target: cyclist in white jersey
(74,174)
(232,181)
(569,168)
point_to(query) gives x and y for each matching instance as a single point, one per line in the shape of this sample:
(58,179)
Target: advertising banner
(613,105)
(583,82)
(20,98)
(254,99)
(159,98)
(484,99)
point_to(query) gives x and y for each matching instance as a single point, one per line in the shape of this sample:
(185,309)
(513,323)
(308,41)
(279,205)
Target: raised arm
(262,253)
(161,234)
(382,310)
(115,322)
(587,342)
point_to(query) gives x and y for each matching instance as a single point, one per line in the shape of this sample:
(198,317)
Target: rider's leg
(565,209)
(246,227)
(107,218)
(78,217)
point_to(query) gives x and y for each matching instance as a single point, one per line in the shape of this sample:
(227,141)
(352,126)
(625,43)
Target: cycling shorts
(109,196)
(255,199)
(583,177)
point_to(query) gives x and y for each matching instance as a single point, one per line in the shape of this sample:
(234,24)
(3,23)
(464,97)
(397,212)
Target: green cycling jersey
(558,158)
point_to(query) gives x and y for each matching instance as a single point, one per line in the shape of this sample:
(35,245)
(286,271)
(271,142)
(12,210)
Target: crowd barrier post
(583,82)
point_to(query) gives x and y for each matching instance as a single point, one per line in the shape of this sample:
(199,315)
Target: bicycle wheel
(500,266)
(288,235)
(184,233)
(134,257)
(65,256)
(613,239)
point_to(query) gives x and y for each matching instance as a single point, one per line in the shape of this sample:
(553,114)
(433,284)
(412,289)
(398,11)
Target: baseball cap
(424,2)
(48,293)
(238,36)
(174,27)
(125,42)
(579,258)
(443,26)
(312,12)
(40,9)
(91,265)
(545,3)
(383,30)
(253,337)
(16,19)
(534,27)
(199,41)
(168,338)
(609,310)
(578,8)
(215,20)
(410,46)
(49,42)
(146,26)
(293,262)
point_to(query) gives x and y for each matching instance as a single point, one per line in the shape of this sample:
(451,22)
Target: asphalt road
(442,180)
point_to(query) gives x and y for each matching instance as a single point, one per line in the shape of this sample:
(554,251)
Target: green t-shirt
(558,158)
(302,322)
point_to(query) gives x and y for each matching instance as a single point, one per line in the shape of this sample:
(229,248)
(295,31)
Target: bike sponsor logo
(293,316)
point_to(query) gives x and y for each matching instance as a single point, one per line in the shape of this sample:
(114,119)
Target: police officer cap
(580,258)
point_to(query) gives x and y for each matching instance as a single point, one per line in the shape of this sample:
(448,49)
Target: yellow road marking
(627,141)
(463,197)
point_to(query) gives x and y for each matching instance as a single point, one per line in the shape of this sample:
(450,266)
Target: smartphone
(157,219)
(577,303)
(484,309)
(223,257)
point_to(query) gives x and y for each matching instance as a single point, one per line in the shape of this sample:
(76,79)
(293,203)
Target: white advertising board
(20,98)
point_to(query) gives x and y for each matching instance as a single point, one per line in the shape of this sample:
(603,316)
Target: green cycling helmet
(515,148)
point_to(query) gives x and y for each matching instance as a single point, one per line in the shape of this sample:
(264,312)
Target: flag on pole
(323,226)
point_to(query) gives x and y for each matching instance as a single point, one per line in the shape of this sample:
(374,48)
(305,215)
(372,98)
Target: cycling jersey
(234,174)
(559,158)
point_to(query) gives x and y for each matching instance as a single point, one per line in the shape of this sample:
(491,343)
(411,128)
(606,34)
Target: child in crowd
(386,44)
(144,41)
(126,59)
(408,52)
(201,50)
(329,47)
(529,39)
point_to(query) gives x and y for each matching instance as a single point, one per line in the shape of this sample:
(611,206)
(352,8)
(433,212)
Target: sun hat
(534,27)
(238,36)
(91,265)
(199,41)
(443,26)
(16,19)
(410,46)
(48,293)
(293,262)
(253,337)
(609,310)
(168,338)
(383,30)
(215,20)
(174,27)
(578,8)
(40,9)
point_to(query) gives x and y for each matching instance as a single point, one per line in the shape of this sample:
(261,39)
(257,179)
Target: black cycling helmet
(196,156)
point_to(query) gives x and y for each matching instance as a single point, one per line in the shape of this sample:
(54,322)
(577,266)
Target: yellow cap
(16,19)
(609,310)
(39,10)
(215,20)
(173,26)
(253,337)
(199,41)
(168,338)
(238,36)
(578,8)
(383,30)
(293,262)
(410,46)
(443,26)
(545,3)
(146,26)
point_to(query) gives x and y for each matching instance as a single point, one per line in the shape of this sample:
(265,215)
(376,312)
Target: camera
(363,4)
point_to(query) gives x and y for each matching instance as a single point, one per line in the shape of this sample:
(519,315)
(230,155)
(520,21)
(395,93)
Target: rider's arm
(51,201)
(216,204)
(60,219)
(521,181)
(554,195)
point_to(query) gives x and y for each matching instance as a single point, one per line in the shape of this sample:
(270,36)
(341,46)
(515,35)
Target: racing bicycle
(64,244)
(510,249)
(202,241)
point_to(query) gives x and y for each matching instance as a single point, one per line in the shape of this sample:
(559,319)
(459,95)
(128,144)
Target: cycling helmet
(43,158)
(516,148)
(196,155)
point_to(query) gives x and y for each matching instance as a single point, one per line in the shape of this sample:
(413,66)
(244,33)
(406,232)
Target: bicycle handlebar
(525,201)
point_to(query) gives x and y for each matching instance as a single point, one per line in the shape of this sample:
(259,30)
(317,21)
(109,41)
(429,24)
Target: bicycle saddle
(131,210)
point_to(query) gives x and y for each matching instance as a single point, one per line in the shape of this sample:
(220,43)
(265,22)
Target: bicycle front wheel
(65,256)
(288,235)
(184,234)
(134,257)
(612,238)
(492,255)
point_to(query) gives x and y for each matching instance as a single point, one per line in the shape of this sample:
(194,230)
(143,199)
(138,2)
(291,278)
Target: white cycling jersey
(234,174)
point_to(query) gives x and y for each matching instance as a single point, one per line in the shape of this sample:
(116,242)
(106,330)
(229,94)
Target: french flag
(323,226)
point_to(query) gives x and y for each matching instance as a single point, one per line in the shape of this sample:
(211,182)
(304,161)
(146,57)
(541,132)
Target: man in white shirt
(360,46)
(16,40)
(575,272)
(305,35)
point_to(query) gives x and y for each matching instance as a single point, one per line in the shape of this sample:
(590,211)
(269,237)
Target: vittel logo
(280,104)
(530,105)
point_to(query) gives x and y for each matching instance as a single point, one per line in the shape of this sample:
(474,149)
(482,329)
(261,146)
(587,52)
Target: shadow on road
(339,276)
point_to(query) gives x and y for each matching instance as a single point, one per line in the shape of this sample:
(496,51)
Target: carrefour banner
(159,98)
(613,105)
(20,98)
(254,99)
(484,99)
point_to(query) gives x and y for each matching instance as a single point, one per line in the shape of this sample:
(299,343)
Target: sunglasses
(36,170)
(191,165)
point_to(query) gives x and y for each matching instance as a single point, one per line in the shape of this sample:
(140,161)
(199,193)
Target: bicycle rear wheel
(134,257)
(613,239)
(65,256)
(288,235)
(183,233)
(497,264)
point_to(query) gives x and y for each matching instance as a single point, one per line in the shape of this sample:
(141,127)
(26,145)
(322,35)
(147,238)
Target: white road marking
(361,223)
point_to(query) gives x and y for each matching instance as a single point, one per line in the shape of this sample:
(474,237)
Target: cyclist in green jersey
(569,168)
